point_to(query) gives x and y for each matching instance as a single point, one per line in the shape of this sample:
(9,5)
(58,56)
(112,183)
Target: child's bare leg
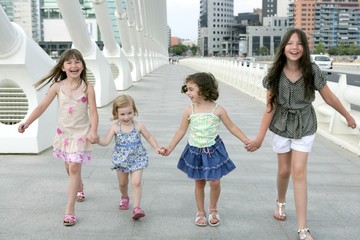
(283,176)
(73,185)
(200,195)
(215,190)
(299,177)
(123,180)
(136,178)
(81,186)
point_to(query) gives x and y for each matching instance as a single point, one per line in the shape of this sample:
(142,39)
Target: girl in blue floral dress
(129,156)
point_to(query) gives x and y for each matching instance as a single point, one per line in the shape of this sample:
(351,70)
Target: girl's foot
(69,220)
(138,213)
(200,219)
(124,203)
(80,197)
(214,218)
(280,211)
(304,234)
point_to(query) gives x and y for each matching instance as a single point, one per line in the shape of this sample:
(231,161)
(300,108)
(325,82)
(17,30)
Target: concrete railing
(249,80)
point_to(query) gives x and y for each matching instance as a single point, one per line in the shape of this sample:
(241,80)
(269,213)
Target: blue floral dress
(129,153)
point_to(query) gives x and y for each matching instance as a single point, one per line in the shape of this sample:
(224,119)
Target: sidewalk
(33,187)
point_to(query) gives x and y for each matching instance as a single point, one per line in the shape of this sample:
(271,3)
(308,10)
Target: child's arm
(330,98)
(104,141)
(235,130)
(40,109)
(149,138)
(92,135)
(255,143)
(179,134)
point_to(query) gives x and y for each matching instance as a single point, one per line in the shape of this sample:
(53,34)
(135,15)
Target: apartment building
(215,26)
(312,15)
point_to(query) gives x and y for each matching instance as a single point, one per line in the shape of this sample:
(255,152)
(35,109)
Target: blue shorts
(284,145)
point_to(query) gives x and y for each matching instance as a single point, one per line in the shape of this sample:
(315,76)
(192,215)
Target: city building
(264,40)
(25,13)
(215,26)
(305,14)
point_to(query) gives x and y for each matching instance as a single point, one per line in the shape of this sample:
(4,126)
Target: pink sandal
(124,203)
(138,213)
(69,220)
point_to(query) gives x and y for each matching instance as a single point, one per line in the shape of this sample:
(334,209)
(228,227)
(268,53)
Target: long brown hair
(277,67)
(57,74)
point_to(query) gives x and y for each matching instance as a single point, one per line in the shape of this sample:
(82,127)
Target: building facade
(215,26)
(307,15)
(268,36)
(25,13)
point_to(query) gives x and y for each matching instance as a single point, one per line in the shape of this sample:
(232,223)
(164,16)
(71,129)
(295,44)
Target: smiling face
(294,48)
(125,115)
(193,92)
(73,68)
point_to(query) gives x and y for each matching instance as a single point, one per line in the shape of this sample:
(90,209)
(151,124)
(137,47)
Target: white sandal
(303,233)
(201,217)
(281,214)
(213,216)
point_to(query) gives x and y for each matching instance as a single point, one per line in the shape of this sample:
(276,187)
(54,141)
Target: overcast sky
(182,15)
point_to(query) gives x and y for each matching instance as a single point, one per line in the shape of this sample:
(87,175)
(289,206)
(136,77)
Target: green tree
(320,49)
(264,51)
(179,49)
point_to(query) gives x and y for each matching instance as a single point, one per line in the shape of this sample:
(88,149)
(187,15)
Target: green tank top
(204,128)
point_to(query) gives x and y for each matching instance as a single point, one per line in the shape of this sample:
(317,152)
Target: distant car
(246,61)
(323,61)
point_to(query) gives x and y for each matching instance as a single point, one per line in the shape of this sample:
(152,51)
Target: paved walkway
(33,187)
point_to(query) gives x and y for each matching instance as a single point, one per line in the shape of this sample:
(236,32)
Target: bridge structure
(143,29)
(248,79)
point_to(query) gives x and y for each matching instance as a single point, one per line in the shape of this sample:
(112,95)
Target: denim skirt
(209,163)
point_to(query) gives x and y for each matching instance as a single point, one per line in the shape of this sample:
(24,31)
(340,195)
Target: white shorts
(284,145)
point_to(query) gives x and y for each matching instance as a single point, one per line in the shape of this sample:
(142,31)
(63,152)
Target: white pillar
(112,51)
(96,62)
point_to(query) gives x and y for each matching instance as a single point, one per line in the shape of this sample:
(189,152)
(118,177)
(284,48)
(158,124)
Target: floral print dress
(73,124)
(129,153)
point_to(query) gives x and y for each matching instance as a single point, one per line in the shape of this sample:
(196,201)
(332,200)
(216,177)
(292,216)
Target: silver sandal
(282,215)
(303,233)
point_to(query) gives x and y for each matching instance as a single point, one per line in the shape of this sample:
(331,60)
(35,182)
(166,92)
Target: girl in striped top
(204,158)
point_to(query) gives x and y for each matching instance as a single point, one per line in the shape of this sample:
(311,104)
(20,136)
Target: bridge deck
(33,187)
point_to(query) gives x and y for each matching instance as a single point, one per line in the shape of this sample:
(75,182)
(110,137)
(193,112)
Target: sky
(182,15)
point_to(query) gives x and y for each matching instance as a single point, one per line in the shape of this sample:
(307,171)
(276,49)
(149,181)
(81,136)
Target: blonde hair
(122,101)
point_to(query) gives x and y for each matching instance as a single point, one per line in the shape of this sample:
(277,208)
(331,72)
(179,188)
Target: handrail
(248,79)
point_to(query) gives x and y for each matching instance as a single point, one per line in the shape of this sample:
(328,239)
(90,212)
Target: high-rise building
(215,25)
(320,20)
(25,13)
(269,8)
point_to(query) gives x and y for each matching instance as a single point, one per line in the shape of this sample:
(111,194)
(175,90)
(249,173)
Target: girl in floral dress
(77,123)
(129,156)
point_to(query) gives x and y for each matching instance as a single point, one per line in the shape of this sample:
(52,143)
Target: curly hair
(208,86)
(122,101)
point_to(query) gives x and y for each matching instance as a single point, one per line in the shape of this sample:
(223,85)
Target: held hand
(22,128)
(92,138)
(253,145)
(166,151)
(160,150)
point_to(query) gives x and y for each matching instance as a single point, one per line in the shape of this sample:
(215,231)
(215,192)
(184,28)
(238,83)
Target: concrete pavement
(33,187)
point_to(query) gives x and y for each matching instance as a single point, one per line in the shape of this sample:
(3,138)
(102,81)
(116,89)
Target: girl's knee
(214,184)
(74,168)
